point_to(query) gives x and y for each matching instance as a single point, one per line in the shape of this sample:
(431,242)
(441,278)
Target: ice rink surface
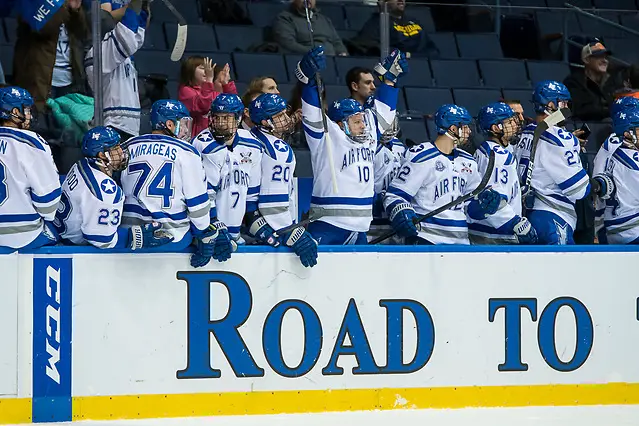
(624,415)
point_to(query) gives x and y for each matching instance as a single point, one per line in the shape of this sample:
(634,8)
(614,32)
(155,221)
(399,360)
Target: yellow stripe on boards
(314,401)
(15,410)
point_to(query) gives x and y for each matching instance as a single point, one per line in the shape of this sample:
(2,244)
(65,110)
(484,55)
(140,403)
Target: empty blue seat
(334,12)
(345,63)
(231,38)
(630,20)
(250,65)
(427,100)
(446,44)
(200,37)
(597,28)
(357,16)
(623,48)
(474,99)
(615,4)
(286,90)
(336,92)
(553,22)
(523,96)
(419,74)
(329,75)
(172,86)
(534,3)
(187,8)
(154,38)
(241,88)
(11,30)
(455,73)
(504,73)
(432,129)
(539,71)
(423,16)
(6,58)
(479,46)
(263,13)
(156,62)
(413,129)
(584,4)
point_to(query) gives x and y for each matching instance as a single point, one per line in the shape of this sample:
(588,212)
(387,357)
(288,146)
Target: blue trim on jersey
(131,208)
(212,147)
(388,95)
(265,143)
(313,133)
(213,212)
(163,139)
(233,229)
(463,154)
(22,137)
(510,159)
(351,201)
(196,201)
(247,142)
(620,221)
(550,138)
(111,36)
(118,195)
(254,190)
(624,159)
(251,206)
(121,108)
(99,238)
(484,148)
(426,155)
(10,218)
(46,198)
(446,222)
(573,180)
(279,198)
(291,156)
(310,95)
(379,147)
(502,230)
(396,191)
(560,198)
(89,178)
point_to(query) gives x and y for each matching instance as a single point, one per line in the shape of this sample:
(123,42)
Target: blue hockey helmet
(548,91)
(225,116)
(453,115)
(15,97)
(626,121)
(504,117)
(171,110)
(342,111)
(105,140)
(228,103)
(269,107)
(623,104)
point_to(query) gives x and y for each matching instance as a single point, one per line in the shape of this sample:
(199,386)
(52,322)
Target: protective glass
(355,127)
(183,129)
(117,158)
(223,126)
(283,125)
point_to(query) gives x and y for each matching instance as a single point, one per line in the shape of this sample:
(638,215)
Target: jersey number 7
(161,184)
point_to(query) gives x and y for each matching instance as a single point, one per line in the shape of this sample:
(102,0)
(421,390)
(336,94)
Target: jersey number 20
(161,184)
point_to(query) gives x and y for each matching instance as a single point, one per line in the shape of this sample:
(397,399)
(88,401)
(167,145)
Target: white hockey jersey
(233,175)
(497,228)
(90,210)
(558,178)
(119,77)
(611,144)
(620,212)
(276,189)
(386,164)
(428,180)
(165,182)
(351,209)
(29,187)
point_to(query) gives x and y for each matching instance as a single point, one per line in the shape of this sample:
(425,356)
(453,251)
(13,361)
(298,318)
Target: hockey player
(344,218)
(272,124)
(120,78)
(433,175)
(232,162)
(507,226)
(615,182)
(558,178)
(165,182)
(29,182)
(90,209)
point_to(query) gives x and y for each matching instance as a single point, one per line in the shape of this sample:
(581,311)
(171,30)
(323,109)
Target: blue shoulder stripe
(213,147)
(265,144)
(426,155)
(550,138)
(89,178)
(624,159)
(249,142)
(313,133)
(464,154)
(485,148)
(510,159)
(22,137)
(47,198)
(118,195)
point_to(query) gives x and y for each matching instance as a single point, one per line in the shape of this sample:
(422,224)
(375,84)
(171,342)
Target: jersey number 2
(161,185)
(4,194)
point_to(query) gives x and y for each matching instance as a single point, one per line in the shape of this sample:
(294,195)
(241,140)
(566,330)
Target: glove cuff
(257,224)
(218,225)
(607,186)
(399,207)
(300,75)
(137,237)
(294,236)
(522,227)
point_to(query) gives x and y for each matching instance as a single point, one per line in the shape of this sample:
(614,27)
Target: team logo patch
(386,159)
(439,166)
(246,158)
(108,186)
(466,168)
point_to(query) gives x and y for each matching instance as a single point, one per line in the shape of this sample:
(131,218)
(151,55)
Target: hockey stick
(482,185)
(318,80)
(552,120)
(182,32)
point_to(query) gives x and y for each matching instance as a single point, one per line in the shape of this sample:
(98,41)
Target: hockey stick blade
(182,33)
(552,120)
(482,185)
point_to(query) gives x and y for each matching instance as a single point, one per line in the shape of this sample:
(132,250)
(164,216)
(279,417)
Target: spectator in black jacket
(406,33)
(590,87)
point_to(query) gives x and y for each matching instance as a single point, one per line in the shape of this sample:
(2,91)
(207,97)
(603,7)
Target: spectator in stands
(406,33)
(263,84)
(515,105)
(290,30)
(631,83)
(116,8)
(35,53)
(591,95)
(199,85)
(360,83)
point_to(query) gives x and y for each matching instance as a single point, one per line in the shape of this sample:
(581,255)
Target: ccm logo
(53,323)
